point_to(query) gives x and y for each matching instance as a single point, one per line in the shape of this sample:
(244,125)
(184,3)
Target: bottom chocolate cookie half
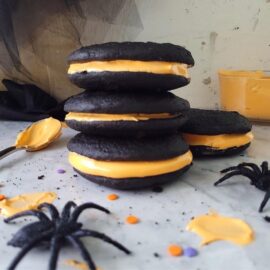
(206,151)
(135,183)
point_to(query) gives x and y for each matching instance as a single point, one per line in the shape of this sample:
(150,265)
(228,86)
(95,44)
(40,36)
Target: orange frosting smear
(112,197)
(222,141)
(246,92)
(39,135)
(23,202)
(175,250)
(117,117)
(128,169)
(157,67)
(132,220)
(2,197)
(214,227)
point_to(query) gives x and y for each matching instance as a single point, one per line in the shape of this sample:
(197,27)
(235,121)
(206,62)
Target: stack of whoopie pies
(128,120)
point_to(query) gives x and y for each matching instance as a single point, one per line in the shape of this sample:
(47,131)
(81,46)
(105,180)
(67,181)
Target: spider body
(56,231)
(259,177)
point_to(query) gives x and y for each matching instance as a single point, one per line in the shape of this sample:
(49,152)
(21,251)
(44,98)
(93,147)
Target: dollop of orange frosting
(214,227)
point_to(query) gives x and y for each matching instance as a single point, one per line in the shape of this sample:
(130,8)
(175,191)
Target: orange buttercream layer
(128,169)
(158,67)
(222,141)
(117,117)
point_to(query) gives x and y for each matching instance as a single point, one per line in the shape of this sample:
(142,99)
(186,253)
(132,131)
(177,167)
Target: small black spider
(260,178)
(56,231)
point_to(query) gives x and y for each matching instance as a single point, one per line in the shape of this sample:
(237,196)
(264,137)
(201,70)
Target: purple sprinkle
(61,171)
(190,252)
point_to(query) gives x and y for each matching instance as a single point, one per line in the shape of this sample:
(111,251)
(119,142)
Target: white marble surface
(162,218)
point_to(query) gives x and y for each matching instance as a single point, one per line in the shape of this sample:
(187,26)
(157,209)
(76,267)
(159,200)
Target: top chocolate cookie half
(130,66)
(215,122)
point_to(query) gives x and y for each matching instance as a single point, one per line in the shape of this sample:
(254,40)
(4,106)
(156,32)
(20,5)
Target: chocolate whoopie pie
(130,66)
(126,113)
(216,133)
(129,163)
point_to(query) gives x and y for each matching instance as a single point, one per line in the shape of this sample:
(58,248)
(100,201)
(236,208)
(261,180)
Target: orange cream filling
(158,67)
(116,117)
(222,141)
(128,169)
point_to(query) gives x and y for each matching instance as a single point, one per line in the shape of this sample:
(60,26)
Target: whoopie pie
(124,113)
(130,66)
(214,133)
(129,163)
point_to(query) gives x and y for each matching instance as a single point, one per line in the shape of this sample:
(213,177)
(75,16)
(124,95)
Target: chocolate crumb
(157,189)
(40,177)
(156,255)
(75,175)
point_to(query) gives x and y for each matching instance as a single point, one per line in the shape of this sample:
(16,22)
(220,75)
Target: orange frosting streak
(158,67)
(116,117)
(222,141)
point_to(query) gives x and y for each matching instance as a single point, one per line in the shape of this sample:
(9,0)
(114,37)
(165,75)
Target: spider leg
(55,249)
(52,209)
(66,210)
(78,210)
(229,169)
(266,218)
(41,216)
(265,200)
(102,236)
(254,167)
(26,249)
(264,167)
(236,172)
(84,252)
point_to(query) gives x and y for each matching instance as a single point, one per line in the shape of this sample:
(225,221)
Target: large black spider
(259,177)
(56,231)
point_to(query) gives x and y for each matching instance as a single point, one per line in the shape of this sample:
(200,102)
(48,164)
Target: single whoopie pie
(216,133)
(129,163)
(130,66)
(126,113)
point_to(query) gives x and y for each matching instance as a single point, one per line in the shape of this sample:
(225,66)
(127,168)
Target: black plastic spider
(260,178)
(56,231)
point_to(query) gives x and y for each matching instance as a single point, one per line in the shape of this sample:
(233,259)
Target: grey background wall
(219,33)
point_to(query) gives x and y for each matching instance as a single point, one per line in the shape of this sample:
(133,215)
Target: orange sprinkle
(132,220)
(2,197)
(175,250)
(112,197)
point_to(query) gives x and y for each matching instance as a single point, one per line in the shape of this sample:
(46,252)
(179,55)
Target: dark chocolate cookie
(214,122)
(111,105)
(135,183)
(131,149)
